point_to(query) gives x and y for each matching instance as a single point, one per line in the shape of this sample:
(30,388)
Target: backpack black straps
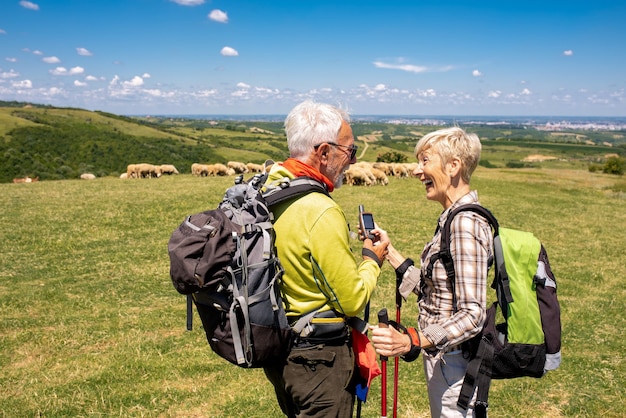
(501,280)
(297,187)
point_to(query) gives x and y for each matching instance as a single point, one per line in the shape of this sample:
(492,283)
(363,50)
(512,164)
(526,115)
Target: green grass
(91,325)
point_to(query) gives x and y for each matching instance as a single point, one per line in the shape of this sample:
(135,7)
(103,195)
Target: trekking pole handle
(383,322)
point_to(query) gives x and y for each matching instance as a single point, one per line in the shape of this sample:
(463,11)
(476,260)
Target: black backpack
(528,342)
(224,259)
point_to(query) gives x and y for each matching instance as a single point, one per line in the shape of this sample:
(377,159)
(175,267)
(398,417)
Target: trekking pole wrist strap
(416,345)
(414,338)
(402,268)
(371,254)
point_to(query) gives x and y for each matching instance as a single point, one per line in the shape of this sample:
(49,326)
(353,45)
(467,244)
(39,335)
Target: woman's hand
(390,342)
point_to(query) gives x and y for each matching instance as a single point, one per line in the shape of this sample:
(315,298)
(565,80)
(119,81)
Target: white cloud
(135,82)
(229,52)
(494,94)
(59,71)
(64,71)
(37,52)
(10,74)
(243,85)
(218,16)
(380,87)
(51,60)
(206,93)
(91,78)
(3,32)
(146,75)
(29,5)
(240,93)
(477,73)
(84,52)
(78,83)
(23,84)
(11,59)
(568,53)
(403,67)
(189,2)
(159,93)
(525,92)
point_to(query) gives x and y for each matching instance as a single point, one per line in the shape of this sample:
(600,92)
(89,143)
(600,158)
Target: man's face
(340,157)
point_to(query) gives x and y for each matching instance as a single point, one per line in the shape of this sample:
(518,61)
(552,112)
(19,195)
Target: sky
(384,57)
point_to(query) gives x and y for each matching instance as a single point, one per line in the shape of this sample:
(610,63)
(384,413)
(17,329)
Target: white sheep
(254,168)
(201,170)
(168,169)
(238,167)
(356,176)
(380,176)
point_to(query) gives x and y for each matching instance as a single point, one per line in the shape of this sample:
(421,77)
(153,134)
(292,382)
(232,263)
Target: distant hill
(61,143)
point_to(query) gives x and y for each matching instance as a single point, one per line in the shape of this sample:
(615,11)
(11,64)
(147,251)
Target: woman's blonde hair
(452,143)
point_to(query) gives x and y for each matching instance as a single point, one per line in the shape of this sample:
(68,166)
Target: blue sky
(546,58)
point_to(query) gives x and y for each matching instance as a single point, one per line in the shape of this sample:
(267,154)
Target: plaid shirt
(471,241)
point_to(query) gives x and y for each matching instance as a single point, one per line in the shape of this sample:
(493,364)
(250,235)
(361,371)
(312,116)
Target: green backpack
(528,342)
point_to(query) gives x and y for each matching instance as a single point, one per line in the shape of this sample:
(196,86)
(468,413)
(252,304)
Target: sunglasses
(353,148)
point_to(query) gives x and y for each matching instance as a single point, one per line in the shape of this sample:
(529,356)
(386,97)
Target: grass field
(92,327)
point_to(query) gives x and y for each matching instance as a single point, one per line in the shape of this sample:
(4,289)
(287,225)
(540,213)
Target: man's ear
(322,153)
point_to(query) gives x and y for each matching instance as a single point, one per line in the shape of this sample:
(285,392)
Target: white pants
(444,378)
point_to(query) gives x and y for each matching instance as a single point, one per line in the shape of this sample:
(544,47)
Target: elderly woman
(446,160)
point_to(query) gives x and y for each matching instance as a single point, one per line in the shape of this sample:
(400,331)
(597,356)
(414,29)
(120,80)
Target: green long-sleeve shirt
(312,240)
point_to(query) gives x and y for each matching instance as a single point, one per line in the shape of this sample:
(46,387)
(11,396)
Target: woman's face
(433,176)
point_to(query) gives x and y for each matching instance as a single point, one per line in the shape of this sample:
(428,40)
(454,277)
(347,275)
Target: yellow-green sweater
(312,240)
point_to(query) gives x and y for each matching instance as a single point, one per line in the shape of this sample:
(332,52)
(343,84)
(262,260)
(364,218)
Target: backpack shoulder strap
(445,255)
(290,189)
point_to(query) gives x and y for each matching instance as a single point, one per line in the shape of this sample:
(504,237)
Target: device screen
(368,221)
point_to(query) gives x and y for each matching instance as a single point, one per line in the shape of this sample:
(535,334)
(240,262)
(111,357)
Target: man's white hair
(311,123)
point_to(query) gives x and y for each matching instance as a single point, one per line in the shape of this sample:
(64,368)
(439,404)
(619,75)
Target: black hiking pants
(315,381)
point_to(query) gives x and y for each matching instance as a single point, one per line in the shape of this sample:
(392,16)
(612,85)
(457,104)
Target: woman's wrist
(394,257)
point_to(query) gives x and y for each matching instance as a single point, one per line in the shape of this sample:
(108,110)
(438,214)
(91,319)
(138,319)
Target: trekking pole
(366,317)
(383,322)
(189,313)
(396,360)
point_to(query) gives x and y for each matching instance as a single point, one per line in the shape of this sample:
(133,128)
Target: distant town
(547,123)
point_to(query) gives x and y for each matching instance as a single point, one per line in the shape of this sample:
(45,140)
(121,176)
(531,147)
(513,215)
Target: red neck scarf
(299,169)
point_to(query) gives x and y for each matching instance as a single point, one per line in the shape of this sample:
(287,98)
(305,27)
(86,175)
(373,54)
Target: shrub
(391,157)
(614,165)
(594,168)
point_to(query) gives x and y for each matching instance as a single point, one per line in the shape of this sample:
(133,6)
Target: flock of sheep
(145,170)
(368,174)
(229,169)
(359,174)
